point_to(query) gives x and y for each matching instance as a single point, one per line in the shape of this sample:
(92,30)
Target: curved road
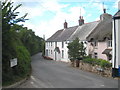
(52,74)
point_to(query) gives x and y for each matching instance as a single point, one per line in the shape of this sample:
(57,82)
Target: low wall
(107,72)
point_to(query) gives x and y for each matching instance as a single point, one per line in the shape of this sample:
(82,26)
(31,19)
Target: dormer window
(109,43)
(96,43)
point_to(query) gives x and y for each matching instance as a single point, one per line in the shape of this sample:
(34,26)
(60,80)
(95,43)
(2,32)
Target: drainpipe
(114,45)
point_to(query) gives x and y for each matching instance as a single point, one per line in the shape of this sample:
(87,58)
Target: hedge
(100,62)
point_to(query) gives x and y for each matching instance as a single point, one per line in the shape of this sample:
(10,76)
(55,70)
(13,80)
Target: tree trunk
(77,63)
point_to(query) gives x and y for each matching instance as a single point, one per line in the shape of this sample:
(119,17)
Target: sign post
(13,62)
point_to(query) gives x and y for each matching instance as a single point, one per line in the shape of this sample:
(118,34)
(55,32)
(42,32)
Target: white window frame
(109,43)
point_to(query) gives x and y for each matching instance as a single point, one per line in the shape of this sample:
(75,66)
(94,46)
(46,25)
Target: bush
(89,60)
(24,61)
(105,63)
(101,62)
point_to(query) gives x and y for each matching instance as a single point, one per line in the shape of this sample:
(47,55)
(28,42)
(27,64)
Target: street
(53,74)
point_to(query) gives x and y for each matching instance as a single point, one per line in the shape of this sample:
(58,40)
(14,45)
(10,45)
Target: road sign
(13,62)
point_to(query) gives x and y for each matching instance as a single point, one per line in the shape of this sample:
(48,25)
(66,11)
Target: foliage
(105,63)
(17,42)
(9,14)
(90,60)
(23,68)
(76,50)
(101,62)
(10,41)
(33,43)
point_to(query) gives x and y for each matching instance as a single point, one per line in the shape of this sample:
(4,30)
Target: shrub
(89,60)
(23,61)
(105,63)
(93,61)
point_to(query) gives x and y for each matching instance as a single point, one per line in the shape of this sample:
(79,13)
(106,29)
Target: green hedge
(17,50)
(24,61)
(101,62)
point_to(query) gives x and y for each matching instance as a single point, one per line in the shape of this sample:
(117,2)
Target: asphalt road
(53,74)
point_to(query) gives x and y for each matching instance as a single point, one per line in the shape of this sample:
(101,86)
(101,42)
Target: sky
(47,16)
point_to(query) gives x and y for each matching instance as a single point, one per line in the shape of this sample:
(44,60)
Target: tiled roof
(54,36)
(66,33)
(62,35)
(83,31)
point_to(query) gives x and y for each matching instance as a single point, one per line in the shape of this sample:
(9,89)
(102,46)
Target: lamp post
(116,44)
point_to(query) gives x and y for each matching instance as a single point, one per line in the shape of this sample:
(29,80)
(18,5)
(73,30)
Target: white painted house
(56,45)
(116,44)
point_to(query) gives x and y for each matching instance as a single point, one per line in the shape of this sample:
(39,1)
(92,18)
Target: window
(62,44)
(95,55)
(109,43)
(96,43)
(62,53)
(51,51)
(51,43)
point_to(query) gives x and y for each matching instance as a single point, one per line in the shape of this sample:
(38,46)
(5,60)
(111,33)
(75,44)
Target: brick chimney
(81,21)
(65,24)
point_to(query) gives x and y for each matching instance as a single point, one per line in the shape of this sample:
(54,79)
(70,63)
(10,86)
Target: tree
(76,50)
(33,43)
(11,43)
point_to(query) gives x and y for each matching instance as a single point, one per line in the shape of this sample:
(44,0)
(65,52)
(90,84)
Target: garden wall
(107,72)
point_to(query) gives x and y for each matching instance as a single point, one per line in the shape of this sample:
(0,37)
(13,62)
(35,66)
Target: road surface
(53,74)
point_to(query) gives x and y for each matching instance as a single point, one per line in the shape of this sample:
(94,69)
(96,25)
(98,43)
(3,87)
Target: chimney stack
(65,24)
(81,21)
(104,10)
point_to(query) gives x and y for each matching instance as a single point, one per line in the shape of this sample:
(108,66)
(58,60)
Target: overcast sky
(47,16)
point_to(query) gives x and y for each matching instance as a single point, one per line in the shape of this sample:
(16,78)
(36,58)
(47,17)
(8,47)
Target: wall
(65,59)
(98,49)
(107,72)
(58,55)
(49,48)
(101,47)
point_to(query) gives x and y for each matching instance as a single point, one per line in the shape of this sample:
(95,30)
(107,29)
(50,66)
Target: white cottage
(56,45)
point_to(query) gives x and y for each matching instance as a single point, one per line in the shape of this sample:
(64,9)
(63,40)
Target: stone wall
(107,72)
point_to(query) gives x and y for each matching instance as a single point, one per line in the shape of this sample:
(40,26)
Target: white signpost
(13,62)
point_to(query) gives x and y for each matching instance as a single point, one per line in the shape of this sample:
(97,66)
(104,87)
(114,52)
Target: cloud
(49,27)
(116,4)
(55,23)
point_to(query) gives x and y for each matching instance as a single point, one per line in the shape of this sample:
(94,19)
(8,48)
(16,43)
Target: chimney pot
(65,24)
(81,21)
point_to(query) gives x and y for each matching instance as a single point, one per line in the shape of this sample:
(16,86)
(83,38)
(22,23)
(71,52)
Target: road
(53,74)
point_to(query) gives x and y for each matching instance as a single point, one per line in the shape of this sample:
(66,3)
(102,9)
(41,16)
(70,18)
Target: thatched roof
(102,31)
